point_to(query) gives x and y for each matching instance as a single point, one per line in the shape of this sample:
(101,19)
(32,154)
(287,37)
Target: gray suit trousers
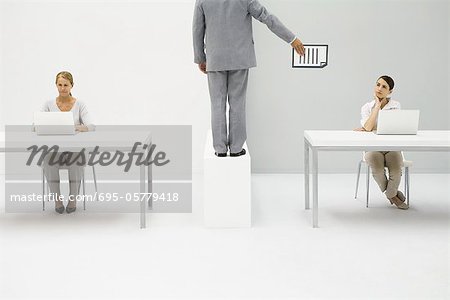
(231,86)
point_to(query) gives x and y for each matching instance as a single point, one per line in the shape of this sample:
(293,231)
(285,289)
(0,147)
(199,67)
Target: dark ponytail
(388,80)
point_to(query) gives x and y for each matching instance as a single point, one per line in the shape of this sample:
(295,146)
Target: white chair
(45,184)
(406,165)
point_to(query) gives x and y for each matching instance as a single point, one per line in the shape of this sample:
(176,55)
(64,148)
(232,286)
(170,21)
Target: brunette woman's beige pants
(393,161)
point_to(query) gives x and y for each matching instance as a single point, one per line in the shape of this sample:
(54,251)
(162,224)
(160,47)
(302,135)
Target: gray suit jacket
(223,28)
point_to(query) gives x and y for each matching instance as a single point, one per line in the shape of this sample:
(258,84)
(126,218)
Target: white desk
(321,140)
(107,141)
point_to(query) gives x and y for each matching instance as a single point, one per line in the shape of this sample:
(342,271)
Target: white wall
(132,64)
(405,39)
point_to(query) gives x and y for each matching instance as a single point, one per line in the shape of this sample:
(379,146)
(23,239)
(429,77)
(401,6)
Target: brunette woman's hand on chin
(378,101)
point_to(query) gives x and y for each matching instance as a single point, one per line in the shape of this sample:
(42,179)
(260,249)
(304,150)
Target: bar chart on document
(316,56)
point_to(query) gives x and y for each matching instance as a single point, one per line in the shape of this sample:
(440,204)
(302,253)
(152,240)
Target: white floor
(357,253)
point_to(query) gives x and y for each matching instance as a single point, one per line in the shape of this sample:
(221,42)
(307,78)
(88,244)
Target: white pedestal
(227,186)
(2,153)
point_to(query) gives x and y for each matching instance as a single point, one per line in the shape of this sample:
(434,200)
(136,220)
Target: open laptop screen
(398,121)
(54,123)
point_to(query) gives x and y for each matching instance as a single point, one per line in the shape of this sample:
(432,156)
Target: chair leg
(84,191)
(357,179)
(407,184)
(43,190)
(95,182)
(367,185)
(406,179)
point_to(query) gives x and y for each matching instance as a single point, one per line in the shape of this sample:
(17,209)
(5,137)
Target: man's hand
(202,67)
(359,129)
(298,46)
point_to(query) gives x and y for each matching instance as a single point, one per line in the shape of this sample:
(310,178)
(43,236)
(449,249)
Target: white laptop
(398,121)
(54,123)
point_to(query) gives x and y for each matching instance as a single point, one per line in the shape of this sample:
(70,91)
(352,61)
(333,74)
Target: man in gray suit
(223,29)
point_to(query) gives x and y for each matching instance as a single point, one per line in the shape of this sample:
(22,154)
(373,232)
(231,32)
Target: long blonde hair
(66,75)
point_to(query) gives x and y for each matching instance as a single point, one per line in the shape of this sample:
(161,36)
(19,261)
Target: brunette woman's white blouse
(366,109)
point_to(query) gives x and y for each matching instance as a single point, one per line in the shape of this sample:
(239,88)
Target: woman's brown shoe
(401,196)
(399,203)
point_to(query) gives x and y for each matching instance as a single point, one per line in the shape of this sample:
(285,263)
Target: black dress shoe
(239,153)
(220,154)
(60,209)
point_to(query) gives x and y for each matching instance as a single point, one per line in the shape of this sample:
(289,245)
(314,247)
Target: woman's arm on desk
(85,120)
(369,125)
(369,115)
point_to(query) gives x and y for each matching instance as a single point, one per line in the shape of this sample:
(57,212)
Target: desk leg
(150,185)
(142,196)
(43,190)
(306,168)
(315,188)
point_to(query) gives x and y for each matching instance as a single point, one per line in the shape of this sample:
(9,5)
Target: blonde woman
(63,103)
(379,160)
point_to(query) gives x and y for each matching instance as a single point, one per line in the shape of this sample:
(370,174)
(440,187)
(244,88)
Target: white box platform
(227,187)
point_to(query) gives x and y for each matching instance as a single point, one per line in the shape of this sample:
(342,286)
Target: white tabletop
(426,140)
(2,141)
(107,140)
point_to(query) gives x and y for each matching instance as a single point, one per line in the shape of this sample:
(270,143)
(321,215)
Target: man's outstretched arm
(261,14)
